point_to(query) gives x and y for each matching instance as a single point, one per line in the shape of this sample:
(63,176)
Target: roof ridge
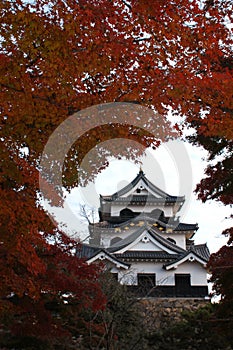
(129,239)
(182,256)
(141,176)
(166,242)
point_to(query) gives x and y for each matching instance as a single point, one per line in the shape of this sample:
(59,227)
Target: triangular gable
(103,255)
(148,240)
(141,180)
(144,186)
(190,257)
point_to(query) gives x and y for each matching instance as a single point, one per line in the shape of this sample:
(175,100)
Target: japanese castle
(142,242)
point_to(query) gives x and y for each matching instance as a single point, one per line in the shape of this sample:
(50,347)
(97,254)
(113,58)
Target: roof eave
(184,258)
(110,258)
(165,196)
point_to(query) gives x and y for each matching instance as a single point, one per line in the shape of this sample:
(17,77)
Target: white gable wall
(148,246)
(146,243)
(107,236)
(141,183)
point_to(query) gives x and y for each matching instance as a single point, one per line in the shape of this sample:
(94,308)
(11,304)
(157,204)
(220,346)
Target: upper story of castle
(139,196)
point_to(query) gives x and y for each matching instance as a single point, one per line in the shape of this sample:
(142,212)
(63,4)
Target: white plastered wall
(178,237)
(196,270)
(163,277)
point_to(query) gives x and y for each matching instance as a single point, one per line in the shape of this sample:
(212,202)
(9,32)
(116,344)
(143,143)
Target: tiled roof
(86,251)
(145,199)
(166,242)
(171,224)
(150,185)
(147,255)
(132,237)
(201,250)
(128,240)
(106,255)
(186,227)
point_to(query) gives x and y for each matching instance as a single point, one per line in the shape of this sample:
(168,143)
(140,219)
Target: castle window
(183,284)
(146,281)
(127,213)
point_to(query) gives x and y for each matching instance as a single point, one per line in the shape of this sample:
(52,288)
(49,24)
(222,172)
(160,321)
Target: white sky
(176,167)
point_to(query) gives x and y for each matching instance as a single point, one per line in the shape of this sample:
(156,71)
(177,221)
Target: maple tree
(43,285)
(60,57)
(221,268)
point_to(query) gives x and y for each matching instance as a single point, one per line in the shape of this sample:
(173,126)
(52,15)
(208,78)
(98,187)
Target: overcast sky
(175,167)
